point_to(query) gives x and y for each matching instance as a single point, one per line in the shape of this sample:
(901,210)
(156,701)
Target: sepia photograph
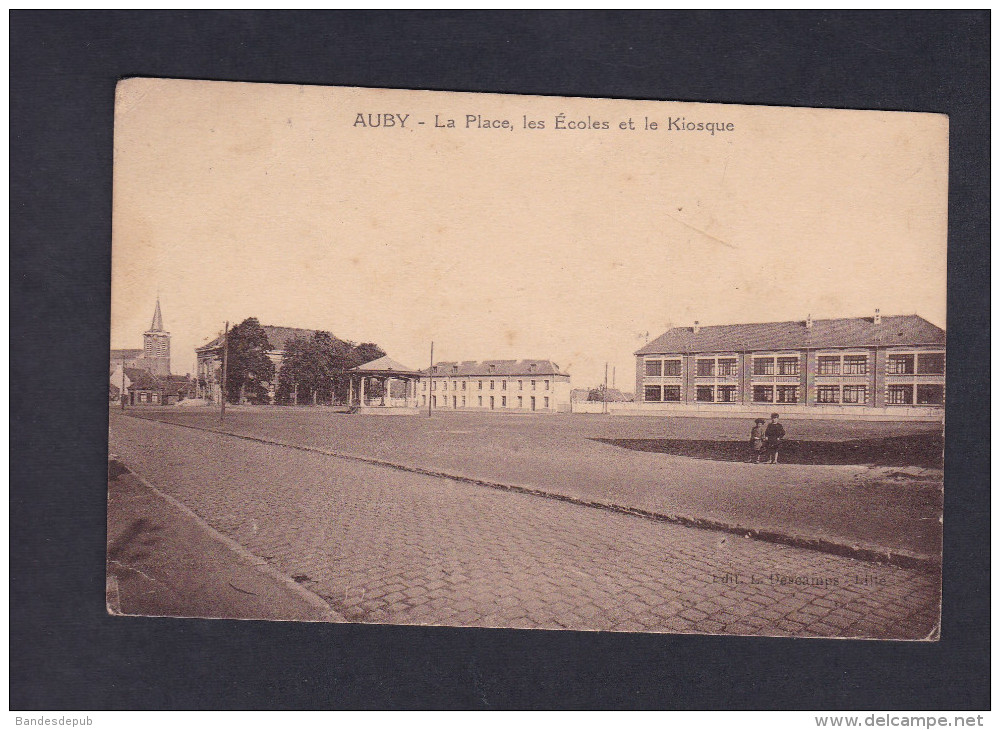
(526,362)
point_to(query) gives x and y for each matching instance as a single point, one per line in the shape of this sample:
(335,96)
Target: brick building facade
(859,366)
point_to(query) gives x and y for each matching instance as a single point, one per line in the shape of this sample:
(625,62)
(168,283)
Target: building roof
(142,379)
(127,353)
(496,367)
(907,329)
(278,337)
(385,365)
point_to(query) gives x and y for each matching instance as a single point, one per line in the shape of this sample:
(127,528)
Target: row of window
(492,401)
(919,394)
(907,364)
(503,385)
(722,394)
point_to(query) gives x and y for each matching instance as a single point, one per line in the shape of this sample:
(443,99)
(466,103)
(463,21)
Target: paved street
(382,545)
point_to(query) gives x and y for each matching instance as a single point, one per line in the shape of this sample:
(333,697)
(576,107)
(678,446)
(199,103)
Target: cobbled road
(387,546)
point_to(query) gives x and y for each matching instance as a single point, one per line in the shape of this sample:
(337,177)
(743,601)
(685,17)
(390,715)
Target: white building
(508,386)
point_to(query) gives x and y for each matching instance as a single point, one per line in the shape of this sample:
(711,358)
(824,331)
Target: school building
(508,386)
(890,367)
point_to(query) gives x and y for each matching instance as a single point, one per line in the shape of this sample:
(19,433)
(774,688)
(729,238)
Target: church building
(154,356)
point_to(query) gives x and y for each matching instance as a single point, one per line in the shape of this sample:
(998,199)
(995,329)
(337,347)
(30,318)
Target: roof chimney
(697,327)
(809,322)
(878,316)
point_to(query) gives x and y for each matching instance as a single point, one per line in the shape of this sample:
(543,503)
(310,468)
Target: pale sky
(237,200)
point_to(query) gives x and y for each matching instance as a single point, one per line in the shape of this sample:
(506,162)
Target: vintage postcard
(456,359)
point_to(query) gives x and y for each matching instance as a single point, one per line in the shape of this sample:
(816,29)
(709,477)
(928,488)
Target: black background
(67,654)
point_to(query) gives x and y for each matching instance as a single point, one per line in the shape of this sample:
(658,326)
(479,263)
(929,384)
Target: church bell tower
(156,345)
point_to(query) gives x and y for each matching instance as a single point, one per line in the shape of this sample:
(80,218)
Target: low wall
(591,406)
(720,410)
(388,411)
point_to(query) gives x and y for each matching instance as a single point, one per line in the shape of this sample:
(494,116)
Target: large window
(788,394)
(930,364)
(828,394)
(651,394)
(855,364)
(930,395)
(727,367)
(763,393)
(654,368)
(900,365)
(900,395)
(763,366)
(829,365)
(727,393)
(705,394)
(788,366)
(672,368)
(671,392)
(856,394)
(706,368)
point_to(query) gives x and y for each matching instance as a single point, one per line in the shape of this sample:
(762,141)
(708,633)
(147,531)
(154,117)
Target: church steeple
(156,345)
(157,325)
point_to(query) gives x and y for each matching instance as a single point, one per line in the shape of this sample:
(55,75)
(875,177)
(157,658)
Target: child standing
(757,440)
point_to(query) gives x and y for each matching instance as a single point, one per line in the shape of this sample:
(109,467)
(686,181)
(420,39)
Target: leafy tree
(365,352)
(249,371)
(314,368)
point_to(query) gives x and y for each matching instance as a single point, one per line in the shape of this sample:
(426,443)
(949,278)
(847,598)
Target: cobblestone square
(382,545)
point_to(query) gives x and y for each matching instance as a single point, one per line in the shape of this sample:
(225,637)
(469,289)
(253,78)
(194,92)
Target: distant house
(142,388)
(130,358)
(209,357)
(607,395)
(852,366)
(508,386)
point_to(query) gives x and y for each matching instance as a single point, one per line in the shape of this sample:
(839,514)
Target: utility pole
(122,394)
(225,368)
(430,389)
(605,398)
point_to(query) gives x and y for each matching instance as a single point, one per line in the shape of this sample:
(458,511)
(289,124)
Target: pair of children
(765,441)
